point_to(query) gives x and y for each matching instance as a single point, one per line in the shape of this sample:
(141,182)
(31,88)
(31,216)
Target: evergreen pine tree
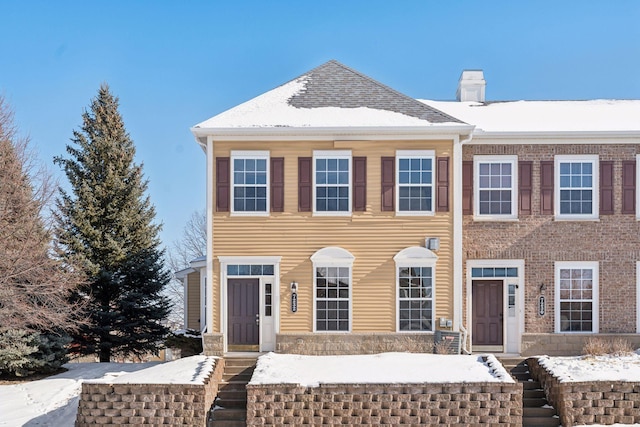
(108,223)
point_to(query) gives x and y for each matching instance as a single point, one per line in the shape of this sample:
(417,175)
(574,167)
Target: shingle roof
(335,85)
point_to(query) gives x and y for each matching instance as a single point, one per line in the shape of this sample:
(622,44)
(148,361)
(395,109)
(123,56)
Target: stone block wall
(566,344)
(596,402)
(213,344)
(496,404)
(315,344)
(128,405)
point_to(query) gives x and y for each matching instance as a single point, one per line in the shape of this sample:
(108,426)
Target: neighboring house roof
(331,95)
(598,116)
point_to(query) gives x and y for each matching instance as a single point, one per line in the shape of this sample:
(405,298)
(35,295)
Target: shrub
(595,347)
(188,341)
(621,347)
(25,353)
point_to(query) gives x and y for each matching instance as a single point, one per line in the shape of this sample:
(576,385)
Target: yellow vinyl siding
(373,237)
(193,301)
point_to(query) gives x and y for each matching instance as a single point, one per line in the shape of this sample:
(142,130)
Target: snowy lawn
(53,401)
(593,368)
(392,368)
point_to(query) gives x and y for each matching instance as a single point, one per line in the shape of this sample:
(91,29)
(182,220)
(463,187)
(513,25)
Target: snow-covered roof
(330,96)
(600,115)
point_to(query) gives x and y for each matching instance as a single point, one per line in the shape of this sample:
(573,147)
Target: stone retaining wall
(128,405)
(566,344)
(315,344)
(213,344)
(596,402)
(497,404)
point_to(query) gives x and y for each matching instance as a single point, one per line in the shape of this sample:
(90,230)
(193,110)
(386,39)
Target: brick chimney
(471,86)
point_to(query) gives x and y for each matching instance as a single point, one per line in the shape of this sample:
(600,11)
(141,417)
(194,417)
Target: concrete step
(521,376)
(533,393)
(534,402)
(229,414)
(232,385)
(239,369)
(541,422)
(531,385)
(237,394)
(226,423)
(245,377)
(538,412)
(232,403)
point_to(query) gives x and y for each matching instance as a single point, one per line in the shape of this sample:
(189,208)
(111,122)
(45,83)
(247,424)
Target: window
(332,182)
(332,289)
(577,187)
(249,269)
(414,171)
(415,277)
(576,302)
(495,190)
(249,180)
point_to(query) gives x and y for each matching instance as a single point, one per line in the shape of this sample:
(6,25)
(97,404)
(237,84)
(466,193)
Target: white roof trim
(183,273)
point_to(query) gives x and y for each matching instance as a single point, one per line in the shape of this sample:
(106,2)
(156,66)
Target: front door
(487,314)
(243,333)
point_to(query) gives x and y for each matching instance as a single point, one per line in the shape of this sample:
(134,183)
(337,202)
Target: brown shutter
(304,184)
(388,183)
(606,188)
(467,187)
(525,179)
(222,183)
(359,184)
(629,187)
(546,187)
(277,184)
(442,184)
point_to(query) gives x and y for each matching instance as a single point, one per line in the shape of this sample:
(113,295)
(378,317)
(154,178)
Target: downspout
(209,264)
(457,240)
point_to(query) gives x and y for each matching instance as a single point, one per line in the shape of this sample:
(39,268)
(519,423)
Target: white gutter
(559,137)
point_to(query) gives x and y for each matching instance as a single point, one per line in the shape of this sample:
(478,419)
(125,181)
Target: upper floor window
(576,193)
(495,190)
(415,182)
(249,181)
(332,182)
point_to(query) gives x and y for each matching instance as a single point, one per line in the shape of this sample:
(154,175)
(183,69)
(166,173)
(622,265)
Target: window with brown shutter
(467,187)
(525,186)
(546,187)
(305,190)
(222,184)
(359,184)
(277,184)
(388,183)
(606,188)
(629,187)
(442,184)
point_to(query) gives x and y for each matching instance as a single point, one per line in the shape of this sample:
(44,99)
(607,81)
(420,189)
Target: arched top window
(415,256)
(333,256)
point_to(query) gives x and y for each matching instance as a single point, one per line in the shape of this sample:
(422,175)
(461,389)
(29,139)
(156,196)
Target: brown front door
(243,330)
(487,312)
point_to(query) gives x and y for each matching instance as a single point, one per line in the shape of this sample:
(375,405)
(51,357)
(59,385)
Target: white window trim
(333,154)
(416,256)
(415,154)
(333,256)
(256,155)
(594,266)
(476,187)
(595,202)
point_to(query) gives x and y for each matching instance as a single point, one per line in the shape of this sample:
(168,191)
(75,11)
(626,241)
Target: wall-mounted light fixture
(543,287)
(294,287)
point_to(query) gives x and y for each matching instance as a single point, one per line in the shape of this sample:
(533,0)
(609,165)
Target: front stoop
(536,410)
(230,408)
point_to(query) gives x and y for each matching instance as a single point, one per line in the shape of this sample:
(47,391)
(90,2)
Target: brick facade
(612,240)
(496,404)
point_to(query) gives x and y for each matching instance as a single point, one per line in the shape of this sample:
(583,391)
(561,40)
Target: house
(322,194)
(345,217)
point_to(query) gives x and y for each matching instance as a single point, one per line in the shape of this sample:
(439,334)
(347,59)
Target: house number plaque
(542,308)
(294,302)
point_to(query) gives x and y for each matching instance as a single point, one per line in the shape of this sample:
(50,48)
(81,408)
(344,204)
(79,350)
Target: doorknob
(257,319)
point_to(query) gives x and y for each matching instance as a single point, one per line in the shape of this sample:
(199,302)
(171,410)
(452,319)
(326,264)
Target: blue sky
(176,63)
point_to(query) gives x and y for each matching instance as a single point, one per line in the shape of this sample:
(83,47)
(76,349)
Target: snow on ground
(593,368)
(53,401)
(411,368)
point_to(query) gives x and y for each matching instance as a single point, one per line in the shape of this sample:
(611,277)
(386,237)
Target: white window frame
(332,256)
(513,160)
(595,300)
(415,154)
(416,256)
(595,186)
(255,155)
(339,155)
